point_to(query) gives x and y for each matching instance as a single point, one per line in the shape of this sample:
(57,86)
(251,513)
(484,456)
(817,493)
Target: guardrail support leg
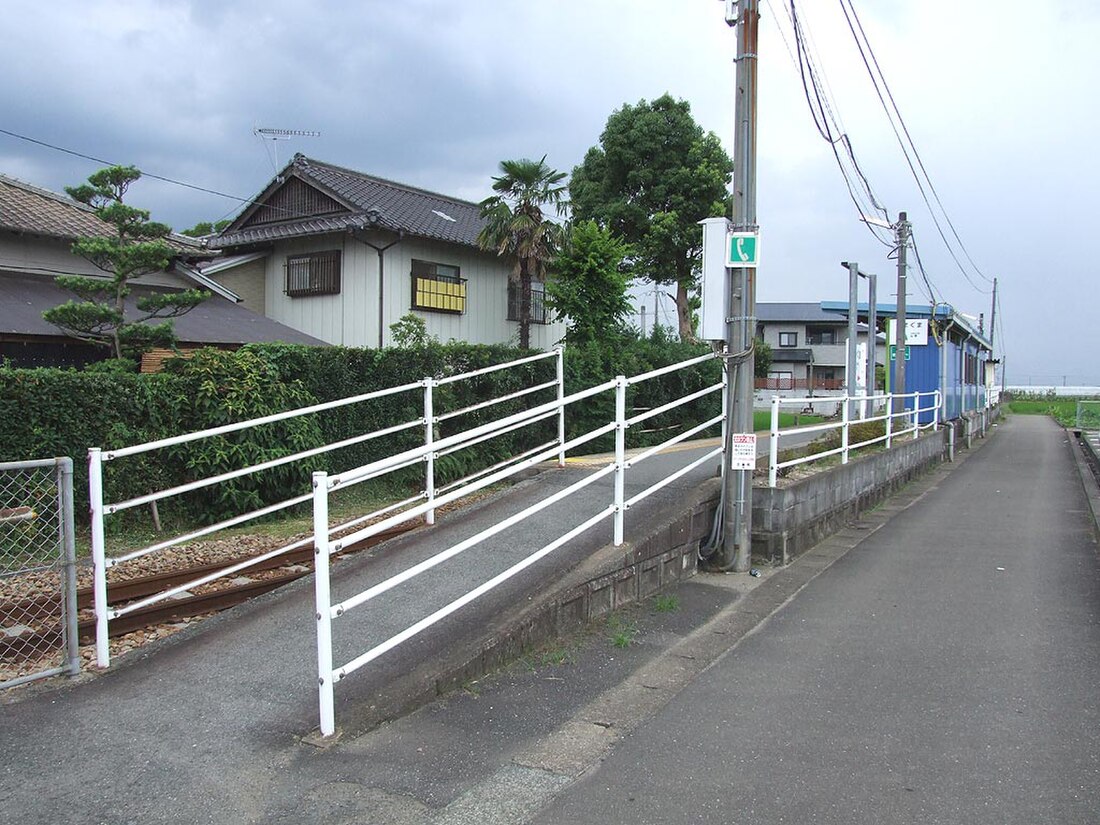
(323,603)
(561,409)
(889,419)
(773,444)
(620,457)
(844,439)
(99,557)
(429,457)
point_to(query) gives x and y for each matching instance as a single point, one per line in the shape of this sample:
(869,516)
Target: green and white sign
(744,249)
(894,352)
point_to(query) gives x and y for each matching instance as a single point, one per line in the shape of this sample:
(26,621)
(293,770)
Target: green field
(1062,410)
(762,420)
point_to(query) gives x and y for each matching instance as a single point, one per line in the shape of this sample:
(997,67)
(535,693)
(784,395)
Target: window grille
(317,273)
(438,288)
(538,303)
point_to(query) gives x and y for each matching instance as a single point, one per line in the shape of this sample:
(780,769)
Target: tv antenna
(275,135)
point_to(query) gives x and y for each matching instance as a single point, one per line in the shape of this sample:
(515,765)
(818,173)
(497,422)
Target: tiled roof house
(342,255)
(37,228)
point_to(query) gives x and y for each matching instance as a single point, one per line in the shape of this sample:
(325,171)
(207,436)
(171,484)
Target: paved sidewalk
(945,671)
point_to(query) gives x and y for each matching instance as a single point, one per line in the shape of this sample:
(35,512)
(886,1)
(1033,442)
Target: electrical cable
(242,201)
(875,81)
(828,122)
(916,153)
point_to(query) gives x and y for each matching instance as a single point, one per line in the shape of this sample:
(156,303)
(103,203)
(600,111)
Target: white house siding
(351,318)
(249,282)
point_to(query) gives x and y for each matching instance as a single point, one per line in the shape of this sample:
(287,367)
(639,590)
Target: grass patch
(762,419)
(667,603)
(621,631)
(1062,410)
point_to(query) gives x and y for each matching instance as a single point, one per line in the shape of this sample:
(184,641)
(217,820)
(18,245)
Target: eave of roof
(23,299)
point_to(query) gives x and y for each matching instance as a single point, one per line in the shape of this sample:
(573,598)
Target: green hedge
(50,412)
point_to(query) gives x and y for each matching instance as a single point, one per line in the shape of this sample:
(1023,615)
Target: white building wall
(351,318)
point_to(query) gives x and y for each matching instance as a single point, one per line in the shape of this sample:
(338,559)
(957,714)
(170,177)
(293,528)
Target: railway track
(17,644)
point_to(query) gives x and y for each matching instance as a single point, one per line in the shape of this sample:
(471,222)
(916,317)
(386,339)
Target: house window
(820,335)
(317,273)
(538,302)
(438,288)
(788,339)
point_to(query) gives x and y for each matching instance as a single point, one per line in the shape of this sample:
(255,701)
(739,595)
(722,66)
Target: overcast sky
(999,97)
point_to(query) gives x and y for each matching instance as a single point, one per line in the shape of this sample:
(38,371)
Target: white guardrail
(881,408)
(430,496)
(325,545)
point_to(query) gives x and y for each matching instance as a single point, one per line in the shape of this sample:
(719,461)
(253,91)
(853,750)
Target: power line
(909,159)
(242,201)
(828,123)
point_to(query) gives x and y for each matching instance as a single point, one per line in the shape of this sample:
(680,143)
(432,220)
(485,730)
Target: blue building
(954,356)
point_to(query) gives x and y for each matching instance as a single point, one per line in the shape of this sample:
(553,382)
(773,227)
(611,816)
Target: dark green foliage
(203,228)
(517,228)
(138,247)
(588,285)
(45,413)
(652,178)
(762,359)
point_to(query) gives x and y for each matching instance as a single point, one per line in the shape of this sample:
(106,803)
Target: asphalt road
(943,671)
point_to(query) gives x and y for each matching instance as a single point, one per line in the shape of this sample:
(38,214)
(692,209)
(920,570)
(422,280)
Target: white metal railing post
(323,603)
(844,435)
(429,456)
(936,410)
(99,556)
(916,416)
(889,418)
(561,409)
(620,457)
(773,443)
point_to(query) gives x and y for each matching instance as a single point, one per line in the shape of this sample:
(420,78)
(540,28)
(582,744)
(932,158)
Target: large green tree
(517,227)
(653,177)
(137,247)
(587,285)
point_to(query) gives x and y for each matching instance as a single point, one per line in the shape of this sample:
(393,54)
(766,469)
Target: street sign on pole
(894,352)
(743,454)
(744,249)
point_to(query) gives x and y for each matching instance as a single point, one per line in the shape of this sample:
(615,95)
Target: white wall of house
(351,318)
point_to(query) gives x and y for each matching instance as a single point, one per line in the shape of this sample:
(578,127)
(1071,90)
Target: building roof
(23,299)
(29,209)
(941,312)
(795,313)
(340,199)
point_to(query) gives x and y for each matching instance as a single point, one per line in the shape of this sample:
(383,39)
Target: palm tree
(516,227)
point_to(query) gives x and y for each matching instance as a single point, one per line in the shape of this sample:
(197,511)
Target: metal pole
(853,318)
(620,457)
(902,228)
(429,456)
(68,544)
(323,604)
(872,332)
(561,395)
(736,550)
(773,444)
(99,556)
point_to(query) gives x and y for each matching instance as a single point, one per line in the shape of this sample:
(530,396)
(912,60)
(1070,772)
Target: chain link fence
(1088,415)
(38,634)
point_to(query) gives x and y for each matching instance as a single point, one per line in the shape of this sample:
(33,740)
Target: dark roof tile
(374,202)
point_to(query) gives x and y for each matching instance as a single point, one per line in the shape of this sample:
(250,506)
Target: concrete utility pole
(736,549)
(902,228)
